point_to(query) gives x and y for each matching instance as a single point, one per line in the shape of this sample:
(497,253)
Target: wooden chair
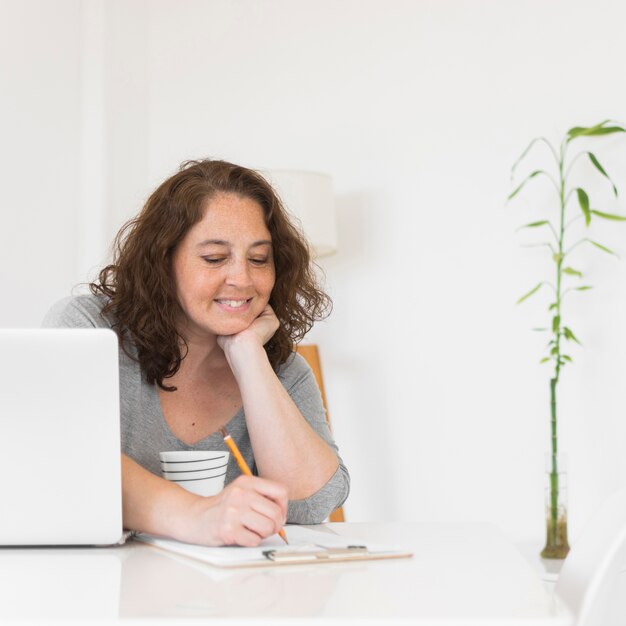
(311,354)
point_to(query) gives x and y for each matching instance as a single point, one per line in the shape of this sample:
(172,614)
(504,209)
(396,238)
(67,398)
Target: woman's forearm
(151,504)
(243,513)
(286,448)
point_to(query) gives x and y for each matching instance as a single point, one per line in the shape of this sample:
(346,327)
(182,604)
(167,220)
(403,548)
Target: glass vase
(557,545)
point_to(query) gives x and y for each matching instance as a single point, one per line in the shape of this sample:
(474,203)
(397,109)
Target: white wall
(417,109)
(40,121)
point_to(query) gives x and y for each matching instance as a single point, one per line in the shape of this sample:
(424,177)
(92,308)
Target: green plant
(561,251)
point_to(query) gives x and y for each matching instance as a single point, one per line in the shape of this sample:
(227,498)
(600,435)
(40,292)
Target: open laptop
(60,469)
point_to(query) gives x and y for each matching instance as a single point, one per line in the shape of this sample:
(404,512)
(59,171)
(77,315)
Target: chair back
(595,569)
(310,353)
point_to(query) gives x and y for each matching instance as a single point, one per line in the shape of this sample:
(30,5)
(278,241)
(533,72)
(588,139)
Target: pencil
(243,466)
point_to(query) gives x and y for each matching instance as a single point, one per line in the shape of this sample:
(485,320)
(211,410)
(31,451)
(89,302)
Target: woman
(209,288)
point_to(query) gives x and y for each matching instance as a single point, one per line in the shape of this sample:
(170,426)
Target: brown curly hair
(140,288)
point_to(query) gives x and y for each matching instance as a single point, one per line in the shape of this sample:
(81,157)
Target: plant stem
(556,327)
(554,471)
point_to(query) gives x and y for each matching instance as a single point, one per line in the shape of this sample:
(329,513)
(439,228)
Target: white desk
(461,575)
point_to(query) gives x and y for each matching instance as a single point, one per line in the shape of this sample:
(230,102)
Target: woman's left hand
(260,331)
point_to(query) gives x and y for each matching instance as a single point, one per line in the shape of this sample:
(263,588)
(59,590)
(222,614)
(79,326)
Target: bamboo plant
(562,244)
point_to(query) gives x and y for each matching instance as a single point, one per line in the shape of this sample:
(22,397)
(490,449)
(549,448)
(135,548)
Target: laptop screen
(60,437)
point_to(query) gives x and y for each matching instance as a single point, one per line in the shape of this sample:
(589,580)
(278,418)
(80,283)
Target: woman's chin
(229,329)
(201,331)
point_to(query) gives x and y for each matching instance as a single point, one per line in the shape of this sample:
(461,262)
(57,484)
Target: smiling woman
(210,288)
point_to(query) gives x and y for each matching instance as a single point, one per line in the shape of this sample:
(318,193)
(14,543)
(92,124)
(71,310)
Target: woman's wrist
(242,350)
(189,522)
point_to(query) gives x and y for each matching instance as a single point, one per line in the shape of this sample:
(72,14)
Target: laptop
(60,471)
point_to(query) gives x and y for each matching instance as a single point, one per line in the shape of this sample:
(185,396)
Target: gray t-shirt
(145,432)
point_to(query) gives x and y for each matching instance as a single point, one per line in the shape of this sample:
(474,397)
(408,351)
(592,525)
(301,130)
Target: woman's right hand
(245,512)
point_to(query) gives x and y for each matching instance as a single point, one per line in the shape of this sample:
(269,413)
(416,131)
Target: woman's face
(224,268)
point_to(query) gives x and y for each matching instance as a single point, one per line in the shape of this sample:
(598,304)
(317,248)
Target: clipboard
(307,547)
(331,555)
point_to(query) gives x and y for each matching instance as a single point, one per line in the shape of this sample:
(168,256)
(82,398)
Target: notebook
(60,481)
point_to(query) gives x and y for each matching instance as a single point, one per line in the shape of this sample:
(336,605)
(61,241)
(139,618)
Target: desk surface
(461,574)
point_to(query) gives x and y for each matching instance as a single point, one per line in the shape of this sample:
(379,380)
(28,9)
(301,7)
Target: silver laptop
(60,470)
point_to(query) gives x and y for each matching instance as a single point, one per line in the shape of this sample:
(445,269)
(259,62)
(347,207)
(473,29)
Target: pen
(243,466)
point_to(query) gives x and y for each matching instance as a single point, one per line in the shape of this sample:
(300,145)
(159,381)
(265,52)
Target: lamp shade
(308,196)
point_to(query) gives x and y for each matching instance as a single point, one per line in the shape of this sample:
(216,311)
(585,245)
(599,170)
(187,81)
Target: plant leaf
(577,130)
(533,225)
(544,244)
(567,358)
(539,330)
(519,187)
(607,130)
(572,133)
(583,288)
(527,150)
(570,336)
(609,216)
(602,171)
(590,131)
(572,272)
(534,290)
(603,248)
(556,321)
(583,200)
(552,306)
(545,359)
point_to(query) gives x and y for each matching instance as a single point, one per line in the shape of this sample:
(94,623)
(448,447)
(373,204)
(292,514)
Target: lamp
(308,196)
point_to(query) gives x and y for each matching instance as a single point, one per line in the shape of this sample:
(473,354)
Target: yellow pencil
(243,466)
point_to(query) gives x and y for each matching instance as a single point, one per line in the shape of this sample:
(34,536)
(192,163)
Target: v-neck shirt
(145,432)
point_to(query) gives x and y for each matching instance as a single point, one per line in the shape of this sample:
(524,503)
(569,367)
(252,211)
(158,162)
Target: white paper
(300,538)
